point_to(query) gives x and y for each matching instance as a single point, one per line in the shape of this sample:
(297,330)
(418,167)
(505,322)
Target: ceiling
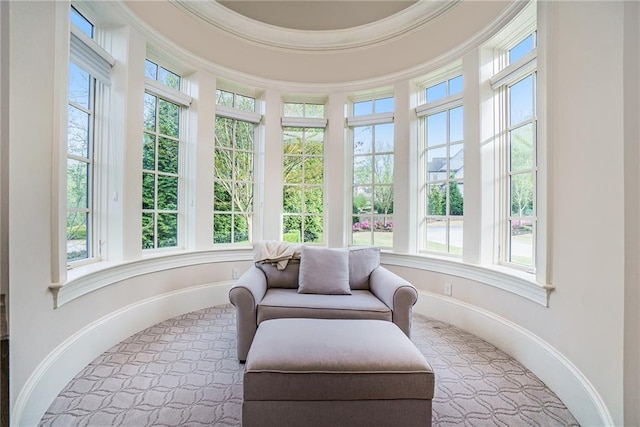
(317,15)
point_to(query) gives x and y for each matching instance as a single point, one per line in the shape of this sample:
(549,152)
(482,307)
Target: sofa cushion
(287,278)
(362,261)
(287,303)
(324,271)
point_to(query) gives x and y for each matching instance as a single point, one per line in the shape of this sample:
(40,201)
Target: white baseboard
(76,352)
(547,363)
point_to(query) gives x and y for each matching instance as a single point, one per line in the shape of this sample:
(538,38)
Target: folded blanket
(275,252)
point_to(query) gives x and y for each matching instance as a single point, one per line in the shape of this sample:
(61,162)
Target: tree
(456,200)
(383,191)
(435,201)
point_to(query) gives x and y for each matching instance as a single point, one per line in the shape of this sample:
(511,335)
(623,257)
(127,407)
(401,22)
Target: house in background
(561,294)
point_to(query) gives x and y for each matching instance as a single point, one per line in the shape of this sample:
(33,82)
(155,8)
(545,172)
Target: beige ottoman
(329,372)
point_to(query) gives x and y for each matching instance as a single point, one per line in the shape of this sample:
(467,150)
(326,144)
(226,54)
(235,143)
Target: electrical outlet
(235,273)
(448,289)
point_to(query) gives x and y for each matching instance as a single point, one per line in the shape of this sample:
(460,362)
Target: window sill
(510,280)
(90,277)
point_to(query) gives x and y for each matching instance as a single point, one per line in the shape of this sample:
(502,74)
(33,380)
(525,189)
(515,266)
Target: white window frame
(423,111)
(183,101)
(307,123)
(362,120)
(254,118)
(88,55)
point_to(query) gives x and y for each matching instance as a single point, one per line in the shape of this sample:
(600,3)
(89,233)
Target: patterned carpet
(183,372)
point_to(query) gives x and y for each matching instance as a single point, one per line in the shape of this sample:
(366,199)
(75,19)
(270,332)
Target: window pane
(362,108)
(240,229)
(361,230)
(522,194)
(437,129)
(245,103)
(455,85)
(221,198)
(224,98)
(292,197)
(384,169)
(383,105)
(169,79)
(436,199)
(383,199)
(293,110)
(167,192)
(81,22)
(77,184)
(291,228)
(167,155)
(292,169)
(455,125)
(148,191)
(313,200)
(150,70)
(521,101)
(314,144)
(455,236)
(315,110)
(456,161)
(521,151)
(243,192)
(244,135)
(79,85)
(521,243)
(313,170)
(148,234)
(222,228)
(384,137)
(292,140)
(362,139)
(437,164)
(436,235)
(436,92)
(169,118)
(383,231)
(78,132)
(456,198)
(223,163)
(77,236)
(521,49)
(224,132)
(313,229)
(149,112)
(167,230)
(362,170)
(149,151)
(362,200)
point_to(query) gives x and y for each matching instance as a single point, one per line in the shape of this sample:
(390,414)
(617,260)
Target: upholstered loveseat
(322,284)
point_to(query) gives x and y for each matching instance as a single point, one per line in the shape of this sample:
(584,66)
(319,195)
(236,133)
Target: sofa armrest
(245,295)
(397,293)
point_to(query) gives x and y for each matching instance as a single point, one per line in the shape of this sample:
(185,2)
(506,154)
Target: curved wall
(584,322)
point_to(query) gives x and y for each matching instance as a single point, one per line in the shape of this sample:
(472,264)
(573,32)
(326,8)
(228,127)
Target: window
(161,163)
(515,90)
(303,173)
(234,167)
(372,131)
(442,158)
(87,95)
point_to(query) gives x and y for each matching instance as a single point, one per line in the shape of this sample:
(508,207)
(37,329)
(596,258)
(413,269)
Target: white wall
(592,191)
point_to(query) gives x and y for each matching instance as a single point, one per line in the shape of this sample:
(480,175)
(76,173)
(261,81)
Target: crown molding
(239,26)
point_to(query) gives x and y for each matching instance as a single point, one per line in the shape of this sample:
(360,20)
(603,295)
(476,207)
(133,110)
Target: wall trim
(60,366)
(82,280)
(546,362)
(510,280)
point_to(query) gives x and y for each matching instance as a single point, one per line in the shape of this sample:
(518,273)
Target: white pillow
(324,271)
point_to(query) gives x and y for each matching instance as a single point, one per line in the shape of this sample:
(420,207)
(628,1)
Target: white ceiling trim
(397,25)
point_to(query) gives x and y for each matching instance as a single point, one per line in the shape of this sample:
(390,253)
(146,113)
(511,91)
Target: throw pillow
(362,261)
(324,271)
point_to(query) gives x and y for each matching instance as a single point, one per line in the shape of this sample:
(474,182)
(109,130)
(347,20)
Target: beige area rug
(184,372)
